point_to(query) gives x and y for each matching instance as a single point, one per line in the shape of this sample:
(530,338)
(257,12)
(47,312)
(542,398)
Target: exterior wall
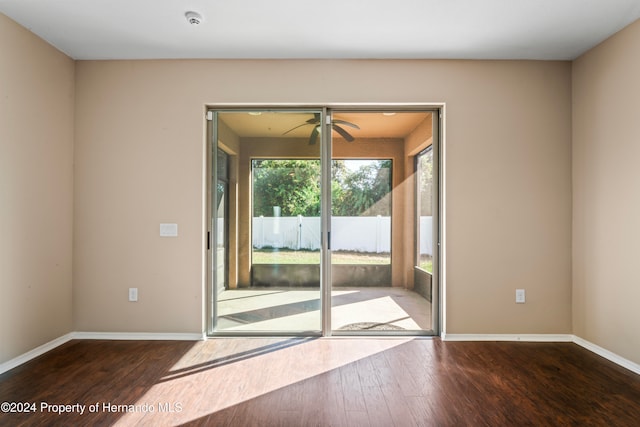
(140,142)
(606,195)
(230,143)
(418,140)
(36,191)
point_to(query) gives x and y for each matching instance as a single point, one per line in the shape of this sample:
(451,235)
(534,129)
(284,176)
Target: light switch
(168,230)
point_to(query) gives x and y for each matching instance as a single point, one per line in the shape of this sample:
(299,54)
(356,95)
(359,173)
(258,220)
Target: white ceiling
(460,29)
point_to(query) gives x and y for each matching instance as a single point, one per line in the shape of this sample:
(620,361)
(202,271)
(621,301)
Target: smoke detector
(193,18)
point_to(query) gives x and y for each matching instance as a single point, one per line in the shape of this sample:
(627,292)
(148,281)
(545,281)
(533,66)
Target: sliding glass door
(276,255)
(313,222)
(372,223)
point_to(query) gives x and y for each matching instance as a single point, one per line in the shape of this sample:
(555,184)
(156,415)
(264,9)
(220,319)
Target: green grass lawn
(427,265)
(286,256)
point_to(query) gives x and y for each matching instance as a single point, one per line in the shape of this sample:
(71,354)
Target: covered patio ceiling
(372,124)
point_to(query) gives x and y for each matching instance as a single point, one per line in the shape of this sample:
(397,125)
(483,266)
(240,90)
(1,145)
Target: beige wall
(139,162)
(36,176)
(606,194)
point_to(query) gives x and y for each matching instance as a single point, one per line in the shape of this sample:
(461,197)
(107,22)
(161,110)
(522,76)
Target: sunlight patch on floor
(261,373)
(383,310)
(298,310)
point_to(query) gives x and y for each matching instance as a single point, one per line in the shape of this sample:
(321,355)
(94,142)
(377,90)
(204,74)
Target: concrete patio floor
(355,309)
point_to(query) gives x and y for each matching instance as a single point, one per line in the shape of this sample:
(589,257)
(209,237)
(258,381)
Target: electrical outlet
(133,294)
(520,296)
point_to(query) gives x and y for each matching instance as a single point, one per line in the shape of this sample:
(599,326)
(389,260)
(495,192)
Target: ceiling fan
(336,125)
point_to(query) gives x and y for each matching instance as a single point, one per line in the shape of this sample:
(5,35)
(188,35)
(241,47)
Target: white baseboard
(618,360)
(509,337)
(140,336)
(38,351)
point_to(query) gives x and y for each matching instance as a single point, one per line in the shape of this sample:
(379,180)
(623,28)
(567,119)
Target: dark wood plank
(377,410)
(397,404)
(357,418)
(324,382)
(352,388)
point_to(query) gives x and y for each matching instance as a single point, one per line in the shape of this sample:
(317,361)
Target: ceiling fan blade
(299,126)
(314,135)
(315,120)
(343,133)
(343,122)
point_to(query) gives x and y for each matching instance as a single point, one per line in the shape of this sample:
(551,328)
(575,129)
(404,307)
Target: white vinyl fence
(426,233)
(361,234)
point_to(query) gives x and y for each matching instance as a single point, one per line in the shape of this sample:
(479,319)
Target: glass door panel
(372,227)
(276,260)
(425,227)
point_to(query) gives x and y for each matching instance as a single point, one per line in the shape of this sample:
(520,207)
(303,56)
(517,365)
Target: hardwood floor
(321,382)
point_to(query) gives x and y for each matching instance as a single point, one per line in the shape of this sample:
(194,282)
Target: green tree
(365,191)
(293,185)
